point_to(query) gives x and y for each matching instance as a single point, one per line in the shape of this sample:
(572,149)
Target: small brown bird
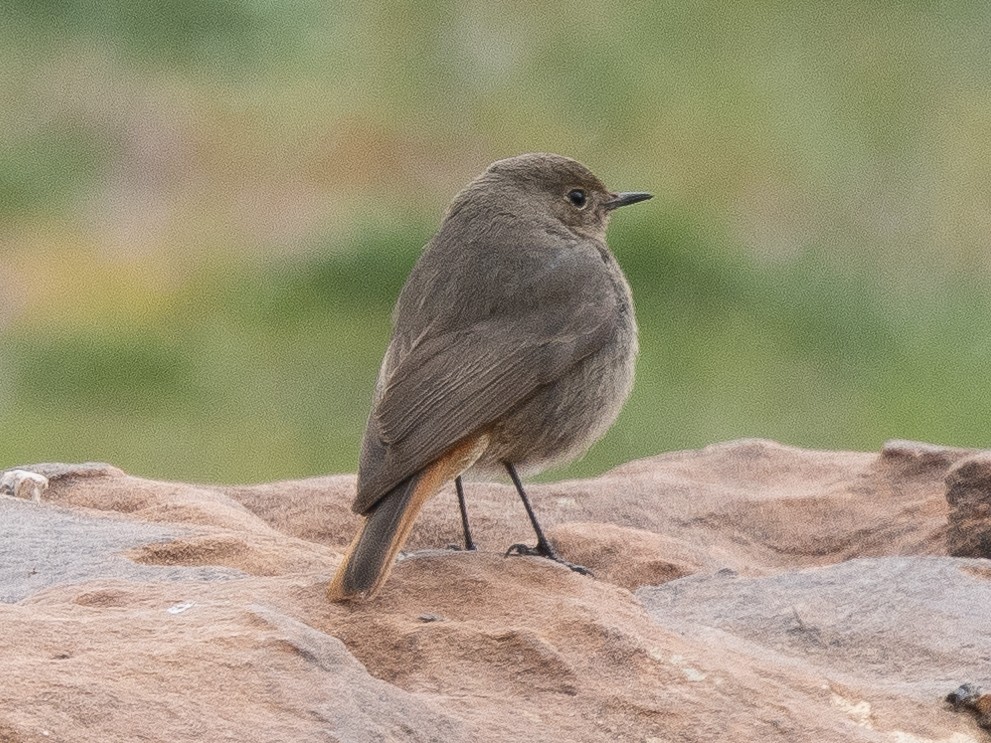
(513,346)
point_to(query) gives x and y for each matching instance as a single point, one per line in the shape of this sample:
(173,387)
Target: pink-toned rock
(968,491)
(747,591)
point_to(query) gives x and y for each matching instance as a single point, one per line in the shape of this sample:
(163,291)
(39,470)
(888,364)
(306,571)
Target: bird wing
(448,385)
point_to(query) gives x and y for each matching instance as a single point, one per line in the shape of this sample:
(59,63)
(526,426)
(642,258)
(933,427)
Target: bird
(513,349)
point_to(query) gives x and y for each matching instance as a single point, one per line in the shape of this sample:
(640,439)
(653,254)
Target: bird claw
(525,550)
(546,551)
(463,548)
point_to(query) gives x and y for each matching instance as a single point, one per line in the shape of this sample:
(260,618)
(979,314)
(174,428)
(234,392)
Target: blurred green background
(207,208)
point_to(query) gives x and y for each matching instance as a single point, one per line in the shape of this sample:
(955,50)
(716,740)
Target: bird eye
(577,198)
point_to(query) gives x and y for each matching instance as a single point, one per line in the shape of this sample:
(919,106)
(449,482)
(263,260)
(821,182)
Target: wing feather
(447,385)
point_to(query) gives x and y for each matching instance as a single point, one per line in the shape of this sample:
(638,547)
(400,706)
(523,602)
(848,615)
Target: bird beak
(626,198)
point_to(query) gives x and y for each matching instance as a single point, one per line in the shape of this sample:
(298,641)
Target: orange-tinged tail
(372,553)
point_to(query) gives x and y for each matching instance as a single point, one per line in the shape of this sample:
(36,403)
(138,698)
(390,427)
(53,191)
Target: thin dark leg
(544,547)
(469,542)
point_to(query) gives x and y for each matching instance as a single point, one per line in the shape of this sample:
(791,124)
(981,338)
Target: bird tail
(370,557)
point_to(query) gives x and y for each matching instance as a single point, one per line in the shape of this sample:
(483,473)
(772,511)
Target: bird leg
(469,542)
(544,547)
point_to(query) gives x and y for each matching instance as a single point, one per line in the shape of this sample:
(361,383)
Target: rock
(968,491)
(838,618)
(23,484)
(747,591)
(971,697)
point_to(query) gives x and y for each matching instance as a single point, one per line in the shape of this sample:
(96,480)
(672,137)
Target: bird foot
(472,547)
(544,549)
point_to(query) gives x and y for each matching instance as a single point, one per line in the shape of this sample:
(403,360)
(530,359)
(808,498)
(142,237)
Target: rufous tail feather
(372,553)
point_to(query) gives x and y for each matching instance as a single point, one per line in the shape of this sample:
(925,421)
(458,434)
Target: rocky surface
(747,591)
(968,491)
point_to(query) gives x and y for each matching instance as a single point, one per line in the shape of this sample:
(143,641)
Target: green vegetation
(208,208)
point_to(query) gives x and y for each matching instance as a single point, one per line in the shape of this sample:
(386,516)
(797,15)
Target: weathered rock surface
(748,591)
(968,491)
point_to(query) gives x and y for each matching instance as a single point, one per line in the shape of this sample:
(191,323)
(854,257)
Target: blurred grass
(208,208)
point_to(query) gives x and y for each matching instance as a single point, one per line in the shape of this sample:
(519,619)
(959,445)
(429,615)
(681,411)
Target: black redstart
(513,346)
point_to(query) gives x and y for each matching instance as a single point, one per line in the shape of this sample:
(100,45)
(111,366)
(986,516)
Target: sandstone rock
(968,491)
(747,591)
(972,698)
